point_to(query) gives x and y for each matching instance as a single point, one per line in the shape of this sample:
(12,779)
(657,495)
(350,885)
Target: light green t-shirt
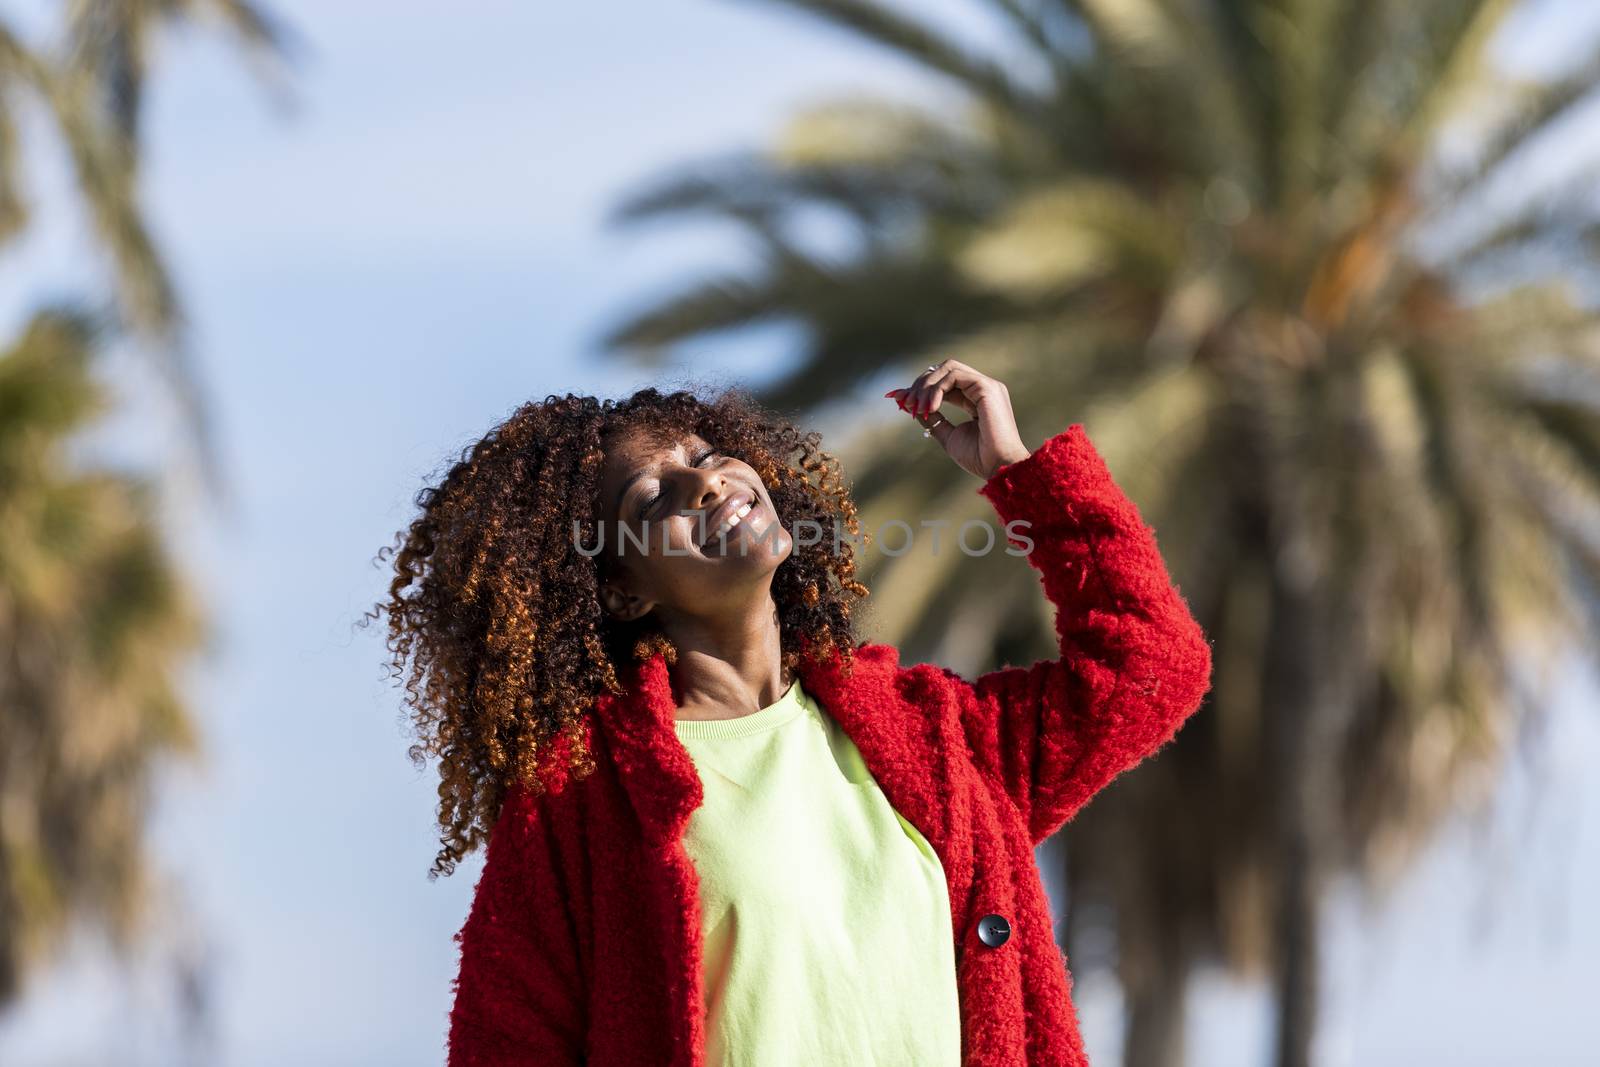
(825,913)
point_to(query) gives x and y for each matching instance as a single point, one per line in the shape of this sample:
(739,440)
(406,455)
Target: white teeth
(732,520)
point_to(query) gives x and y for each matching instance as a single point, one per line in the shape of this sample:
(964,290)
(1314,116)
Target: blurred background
(1318,276)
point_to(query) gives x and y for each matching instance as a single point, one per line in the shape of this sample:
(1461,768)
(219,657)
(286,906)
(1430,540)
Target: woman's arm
(517,996)
(1134,662)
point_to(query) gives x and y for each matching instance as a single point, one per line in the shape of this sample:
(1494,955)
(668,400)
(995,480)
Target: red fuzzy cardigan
(582,944)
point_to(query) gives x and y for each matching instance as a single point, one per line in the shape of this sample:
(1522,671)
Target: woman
(723,830)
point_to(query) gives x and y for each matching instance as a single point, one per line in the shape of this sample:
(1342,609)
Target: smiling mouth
(733,512)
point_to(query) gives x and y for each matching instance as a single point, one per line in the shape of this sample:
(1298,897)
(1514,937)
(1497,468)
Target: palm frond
(705,307)
(1060,237)
(1456,37)
(924,46)
(93,618)
(1356,34)
(1187,73)
(1533,109)
(109,43)
(13,209)
(761,192)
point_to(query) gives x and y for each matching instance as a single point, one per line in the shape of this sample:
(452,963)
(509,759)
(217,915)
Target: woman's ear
(623,604)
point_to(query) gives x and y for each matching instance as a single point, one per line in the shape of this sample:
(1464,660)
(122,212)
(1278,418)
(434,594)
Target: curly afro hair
(496,615)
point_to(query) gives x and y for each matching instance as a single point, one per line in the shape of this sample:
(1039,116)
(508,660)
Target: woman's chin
(750,548)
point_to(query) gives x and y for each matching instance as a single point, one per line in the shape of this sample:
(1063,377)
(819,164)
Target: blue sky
(377,279)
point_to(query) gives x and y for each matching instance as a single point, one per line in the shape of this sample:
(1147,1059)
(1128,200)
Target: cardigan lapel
(663,788)
(656,769)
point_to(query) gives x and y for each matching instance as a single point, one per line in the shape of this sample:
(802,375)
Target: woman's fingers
(930,387)
(952,383)
(916,395)
(922,396)
(940,384)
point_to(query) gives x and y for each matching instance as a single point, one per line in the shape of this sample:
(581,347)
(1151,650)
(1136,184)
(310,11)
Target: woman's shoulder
(915,706)
(923,678)
(524,805)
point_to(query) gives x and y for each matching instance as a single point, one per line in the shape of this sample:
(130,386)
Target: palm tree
(1266,251)
(91,84)
(94,618)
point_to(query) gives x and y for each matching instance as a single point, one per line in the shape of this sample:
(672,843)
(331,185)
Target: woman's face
(671,494)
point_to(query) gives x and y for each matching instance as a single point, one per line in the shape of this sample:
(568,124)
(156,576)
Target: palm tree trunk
(1299,952)
(1308,682)
(1156,1014)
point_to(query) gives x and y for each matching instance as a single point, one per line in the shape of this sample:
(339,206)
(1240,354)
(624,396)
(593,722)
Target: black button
(993,930)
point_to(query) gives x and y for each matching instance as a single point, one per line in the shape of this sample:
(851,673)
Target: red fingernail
(889,393)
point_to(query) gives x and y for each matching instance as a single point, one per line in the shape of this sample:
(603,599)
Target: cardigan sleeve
(1134,663)
(517,993)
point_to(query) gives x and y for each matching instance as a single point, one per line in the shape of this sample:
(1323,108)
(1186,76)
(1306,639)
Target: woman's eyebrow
(623,492)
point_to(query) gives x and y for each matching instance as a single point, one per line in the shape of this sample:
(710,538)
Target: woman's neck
(730,667)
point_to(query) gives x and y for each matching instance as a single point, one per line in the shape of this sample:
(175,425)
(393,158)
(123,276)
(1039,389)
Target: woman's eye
(646,505)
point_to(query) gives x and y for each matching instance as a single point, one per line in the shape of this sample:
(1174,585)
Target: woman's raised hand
(984,443)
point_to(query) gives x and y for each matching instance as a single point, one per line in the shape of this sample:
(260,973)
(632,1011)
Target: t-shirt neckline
(782,710)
